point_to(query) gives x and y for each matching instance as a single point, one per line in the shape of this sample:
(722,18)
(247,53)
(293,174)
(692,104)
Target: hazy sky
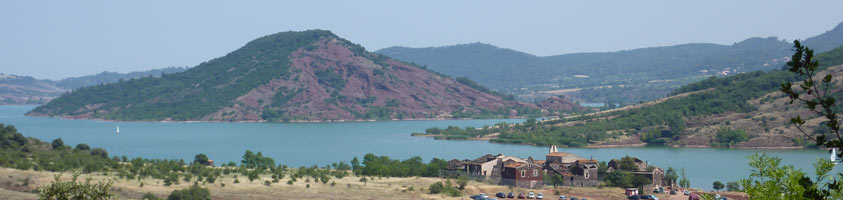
(59,39)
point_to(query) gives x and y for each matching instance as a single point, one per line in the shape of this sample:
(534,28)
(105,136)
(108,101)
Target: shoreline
(608,146)
(265,121)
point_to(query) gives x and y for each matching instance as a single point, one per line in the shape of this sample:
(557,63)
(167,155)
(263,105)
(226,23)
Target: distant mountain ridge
(650,72)
(292,76)
(28,90)
(111,77)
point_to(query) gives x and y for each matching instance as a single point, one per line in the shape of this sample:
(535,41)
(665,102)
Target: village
(567,169)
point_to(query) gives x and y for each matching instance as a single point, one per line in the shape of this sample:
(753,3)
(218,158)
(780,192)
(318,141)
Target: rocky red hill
(303,76)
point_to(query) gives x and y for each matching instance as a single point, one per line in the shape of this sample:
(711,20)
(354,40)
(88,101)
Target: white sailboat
(118,130)
(834,156)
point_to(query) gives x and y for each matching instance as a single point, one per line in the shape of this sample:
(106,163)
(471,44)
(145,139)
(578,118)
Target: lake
(297,144)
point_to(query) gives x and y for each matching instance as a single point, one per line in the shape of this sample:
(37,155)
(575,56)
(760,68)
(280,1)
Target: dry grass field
(20,184)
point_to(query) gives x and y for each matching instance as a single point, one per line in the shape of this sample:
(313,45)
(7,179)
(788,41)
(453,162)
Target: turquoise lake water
(297,144)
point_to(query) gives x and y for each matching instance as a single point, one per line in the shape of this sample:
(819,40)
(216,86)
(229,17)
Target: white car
(531,195)
(539,196)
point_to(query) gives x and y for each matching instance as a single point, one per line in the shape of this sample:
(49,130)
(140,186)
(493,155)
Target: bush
(726,135)
(201,159)
(100,152)
(447,188)
(76,190)
(57,143)
(193,193)
(149,196)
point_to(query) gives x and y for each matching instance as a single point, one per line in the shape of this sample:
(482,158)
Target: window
(523,173)
(535,173)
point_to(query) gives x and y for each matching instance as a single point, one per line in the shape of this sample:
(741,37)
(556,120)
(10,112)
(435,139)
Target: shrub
(193,193)
(83,147)
(149,196)
(76,190)
(57,143)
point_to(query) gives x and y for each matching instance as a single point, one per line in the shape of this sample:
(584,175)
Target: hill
(27,90)
(744,110)
(623,77)
(302,76)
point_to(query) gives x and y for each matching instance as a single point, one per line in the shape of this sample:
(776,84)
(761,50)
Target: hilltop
(293,76)
(622,77)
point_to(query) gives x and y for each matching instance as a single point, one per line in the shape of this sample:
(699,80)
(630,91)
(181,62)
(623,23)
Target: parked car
(510,195)
(562,197)
(633,197)
(475,197)
(522,196)
(574,198)
(539,196)
(500,195)
(673,192)
(531,195)
(687,192)
(653,197)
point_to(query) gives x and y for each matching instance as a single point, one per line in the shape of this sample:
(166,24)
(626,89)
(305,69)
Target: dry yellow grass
(12,186)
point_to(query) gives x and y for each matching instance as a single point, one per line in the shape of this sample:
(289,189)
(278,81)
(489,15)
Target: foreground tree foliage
(384,166)
(768,179)
(73,189)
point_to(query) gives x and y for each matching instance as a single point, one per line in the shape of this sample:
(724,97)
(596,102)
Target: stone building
(575,170)
(522,174)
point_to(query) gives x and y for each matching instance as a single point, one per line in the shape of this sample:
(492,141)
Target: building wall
(512,176)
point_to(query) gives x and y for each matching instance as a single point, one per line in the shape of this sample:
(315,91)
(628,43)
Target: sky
(60,39)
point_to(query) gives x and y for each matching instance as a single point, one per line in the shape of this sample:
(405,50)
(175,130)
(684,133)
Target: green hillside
(199,91)
(662,122)
(624,77)
(296,76)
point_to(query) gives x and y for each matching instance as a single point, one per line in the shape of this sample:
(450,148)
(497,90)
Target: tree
(717,185)
(619,178)
(640,181)
(684,182)
(670,176)
(76,190)
(201,159)
(100,152)
(628,164)
(733,186)
(355,164)
(813,93)
(83,147)
(769,180)
(57,143)
(193,193)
